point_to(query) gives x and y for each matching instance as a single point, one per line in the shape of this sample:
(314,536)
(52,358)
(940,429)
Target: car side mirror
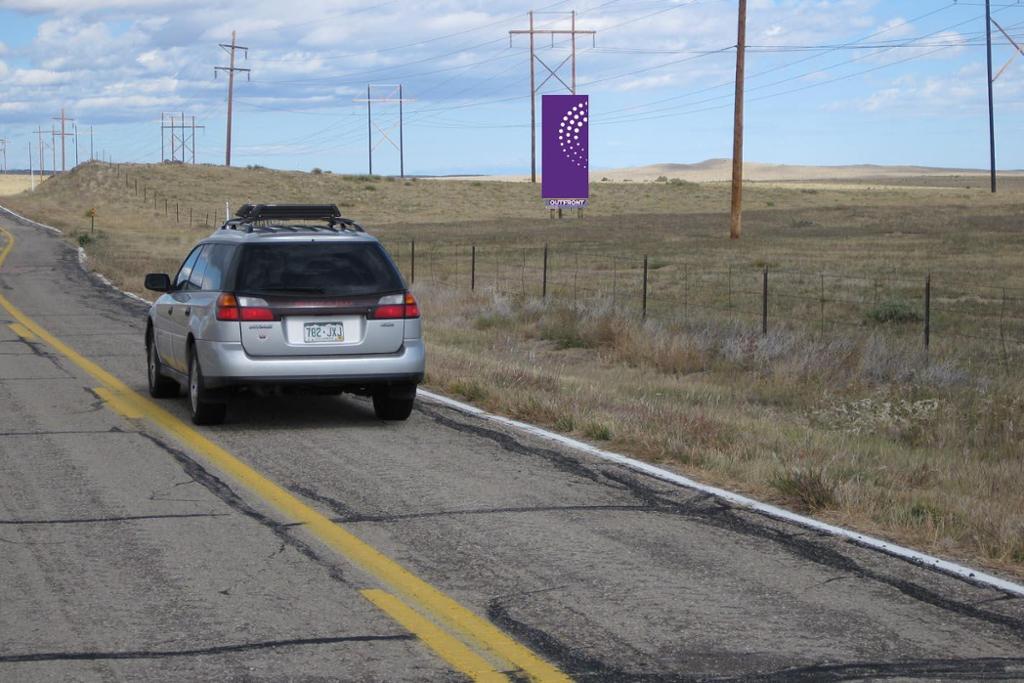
(158,282)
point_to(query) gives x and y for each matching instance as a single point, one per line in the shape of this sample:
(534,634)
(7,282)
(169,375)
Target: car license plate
(313,333)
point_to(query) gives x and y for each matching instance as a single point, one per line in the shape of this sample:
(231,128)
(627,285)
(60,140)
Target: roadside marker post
(764,302)
(544,283)
(927,311)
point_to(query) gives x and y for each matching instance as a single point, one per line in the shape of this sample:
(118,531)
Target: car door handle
(170,310)
(188,311)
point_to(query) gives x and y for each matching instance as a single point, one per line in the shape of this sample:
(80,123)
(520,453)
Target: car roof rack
(269,218)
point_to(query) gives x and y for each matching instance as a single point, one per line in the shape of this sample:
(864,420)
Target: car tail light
(245,309)
(412,309)
(395,307)
(227,307)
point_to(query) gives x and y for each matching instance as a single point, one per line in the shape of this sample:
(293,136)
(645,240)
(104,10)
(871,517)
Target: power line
(782,66)
(644,115)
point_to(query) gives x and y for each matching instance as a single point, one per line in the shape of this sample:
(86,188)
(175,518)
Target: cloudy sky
(829,81)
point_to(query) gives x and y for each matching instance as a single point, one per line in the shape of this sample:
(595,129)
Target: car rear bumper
(226,364)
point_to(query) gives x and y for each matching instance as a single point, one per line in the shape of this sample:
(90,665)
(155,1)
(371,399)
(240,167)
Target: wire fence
(960,316)
(944,309)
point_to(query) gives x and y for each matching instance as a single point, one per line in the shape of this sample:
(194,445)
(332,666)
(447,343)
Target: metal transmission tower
(62,134)
(3,154)
(572,32)
(394,96)
(231,69)
(989,22)
(182,137)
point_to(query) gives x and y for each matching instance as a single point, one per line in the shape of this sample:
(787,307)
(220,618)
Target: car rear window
(332,268)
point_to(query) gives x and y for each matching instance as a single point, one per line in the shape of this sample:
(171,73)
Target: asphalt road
(128,552)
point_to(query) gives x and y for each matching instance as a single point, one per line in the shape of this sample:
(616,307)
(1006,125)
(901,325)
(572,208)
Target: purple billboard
(565,150)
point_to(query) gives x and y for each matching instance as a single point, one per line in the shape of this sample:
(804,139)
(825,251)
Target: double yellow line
(467,642)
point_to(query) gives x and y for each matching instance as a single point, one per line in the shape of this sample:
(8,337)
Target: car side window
(218,262)
(195,278)
(186,269)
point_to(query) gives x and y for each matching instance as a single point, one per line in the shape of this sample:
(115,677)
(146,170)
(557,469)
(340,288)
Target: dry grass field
(12,183)
(851,421)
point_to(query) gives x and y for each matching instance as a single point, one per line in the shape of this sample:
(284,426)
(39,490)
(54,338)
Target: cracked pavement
(125,556)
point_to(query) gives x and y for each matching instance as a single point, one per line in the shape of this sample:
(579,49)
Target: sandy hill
(721,169)
(717,170)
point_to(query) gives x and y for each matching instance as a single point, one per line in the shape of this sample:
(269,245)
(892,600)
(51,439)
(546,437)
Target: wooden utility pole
(63,134)
(369,128)
(991,81)
(401,135)
(552,73)
(42,158)
(736,227)
(231,69)
(533,109)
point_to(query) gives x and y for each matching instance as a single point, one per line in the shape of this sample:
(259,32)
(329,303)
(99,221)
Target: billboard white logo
(574,121)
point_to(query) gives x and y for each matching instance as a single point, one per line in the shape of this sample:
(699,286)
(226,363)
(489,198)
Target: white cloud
(645,83)
(916,96)
(38,77)
(129,102)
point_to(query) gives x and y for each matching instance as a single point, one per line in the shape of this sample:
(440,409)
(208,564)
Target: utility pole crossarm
(538,31)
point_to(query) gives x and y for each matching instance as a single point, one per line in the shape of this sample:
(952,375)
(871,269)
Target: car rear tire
(394,402)
(204,411)
(159,386)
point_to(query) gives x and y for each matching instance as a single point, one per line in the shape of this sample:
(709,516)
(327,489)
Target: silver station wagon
(285,297)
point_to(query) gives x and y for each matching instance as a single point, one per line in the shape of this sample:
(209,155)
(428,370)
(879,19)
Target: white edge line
(919,558)
(960,571)
(83,260)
